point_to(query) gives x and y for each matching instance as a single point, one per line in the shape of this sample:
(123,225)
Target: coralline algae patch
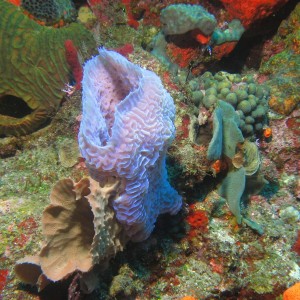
(251,11)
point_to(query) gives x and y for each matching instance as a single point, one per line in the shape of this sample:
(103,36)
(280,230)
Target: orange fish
(267,132)
(219,165)
(200,37)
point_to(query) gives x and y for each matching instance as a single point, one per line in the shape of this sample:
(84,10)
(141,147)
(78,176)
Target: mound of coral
(33,68)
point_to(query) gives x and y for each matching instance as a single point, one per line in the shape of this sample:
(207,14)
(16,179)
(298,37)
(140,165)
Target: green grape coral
(248,98)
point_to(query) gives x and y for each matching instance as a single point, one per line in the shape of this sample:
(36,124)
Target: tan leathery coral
(80,230)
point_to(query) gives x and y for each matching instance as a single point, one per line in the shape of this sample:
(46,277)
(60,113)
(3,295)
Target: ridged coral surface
(33,66)
(127,125)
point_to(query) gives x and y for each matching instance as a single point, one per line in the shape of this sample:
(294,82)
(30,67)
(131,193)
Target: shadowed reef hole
(13,106)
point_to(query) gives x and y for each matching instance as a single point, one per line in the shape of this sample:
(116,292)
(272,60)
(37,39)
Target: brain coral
(33,69)
(127,125)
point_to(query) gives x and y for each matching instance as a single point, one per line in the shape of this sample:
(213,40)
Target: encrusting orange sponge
(292,293)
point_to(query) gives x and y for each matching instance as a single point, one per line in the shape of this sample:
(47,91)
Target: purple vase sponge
(127,126)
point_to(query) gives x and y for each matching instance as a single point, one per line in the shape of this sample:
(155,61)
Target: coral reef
(33,69)
(126,127)
(191,31)
(235,235)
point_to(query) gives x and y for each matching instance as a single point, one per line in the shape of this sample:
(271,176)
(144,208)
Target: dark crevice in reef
(248,52)
(15,107)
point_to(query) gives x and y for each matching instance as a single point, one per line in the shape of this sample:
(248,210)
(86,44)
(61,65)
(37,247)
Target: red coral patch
(3,278)
(296,246)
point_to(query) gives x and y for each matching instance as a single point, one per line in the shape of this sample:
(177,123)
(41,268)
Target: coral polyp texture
(127,126)
(50,11)
(33,69)
(231,34)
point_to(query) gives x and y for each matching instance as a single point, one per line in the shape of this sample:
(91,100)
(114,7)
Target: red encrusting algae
(130,17)
(183,129)
(198,220)
(125,50)
(251,10)
(181,56)
(3,279)
(296,246)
